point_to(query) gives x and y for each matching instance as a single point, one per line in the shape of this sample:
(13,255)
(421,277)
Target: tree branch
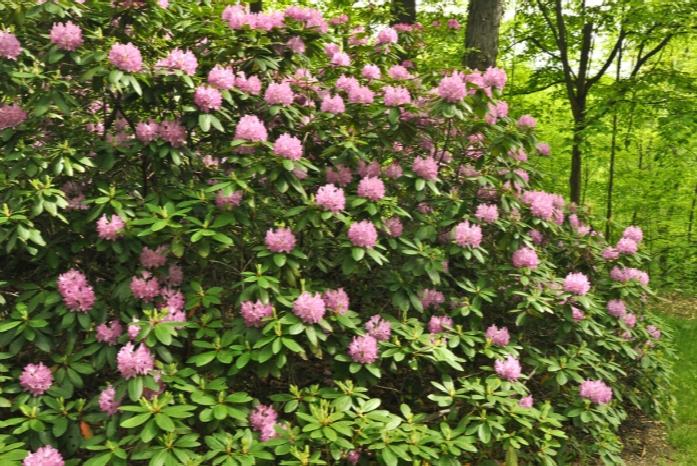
(641,61)
(609,60)
(539,89)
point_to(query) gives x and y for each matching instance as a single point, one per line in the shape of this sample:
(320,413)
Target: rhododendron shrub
(233,238)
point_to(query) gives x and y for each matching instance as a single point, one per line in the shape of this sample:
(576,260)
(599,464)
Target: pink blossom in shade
(610,254)
(36,378)
(371,169)
(508,369)
(44,456)
(9,45)
(145,287)
(182,60)
(629,319)
(340,176)
(331,198)
(133,331)
(126,57)
(452,88)
(468,171)
(279,240)
(235,16)
(67,36)
(174,301)
(221,77)
(353,457)
(228,201)
(393,170)
(371,72)
(387,36)
(577,314)
(653,331)
(310,308)
(254,312)
(399,73)
(616,307)
(360,95)
(108,402)
(147,132)
(250,85)
(251,128)
(363,349)
(279,94)
(453,24)
(543,149)
(526,402)
(626,274)
(11,116)
(175,275)
(333,104)
(263,420)
(378,328)
(109,333)
(207,98)
(426,168)
(633,233)
(346,83)
(596,391)
(495,77)
(300,173)
(173,132)
(542,204)
(627,246)
(76,291)
(331,49)
(371,188)
(518,154)
(396,96)
(288,146)
(577,283)
(431,298)
(363,234)
(526,122)
(525,258)
(394,227)
(467,235)
(163,3)
(487,213)
(498,336)
(296,44)
(340,59)
(132,361)
(153,258)
(336,300)
(110,228)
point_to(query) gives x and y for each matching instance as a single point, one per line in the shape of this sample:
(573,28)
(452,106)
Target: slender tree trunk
(482,35)
(641,166)
(576,159)
(613,149)
(403,11)
(692,216)
(256,6)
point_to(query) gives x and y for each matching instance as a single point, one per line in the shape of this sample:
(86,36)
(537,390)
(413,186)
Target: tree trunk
(256,6)
(482,35)
(403,11)
(613,149)
(576,159)
(692,216)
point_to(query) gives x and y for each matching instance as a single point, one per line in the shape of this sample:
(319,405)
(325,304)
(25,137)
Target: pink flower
(371,72)
(394,227)
(577,283)
(431,298)
(147,132)
(251,85)
(627,246)
(153,258)
(495,77)
(468,235)
(387,36)
(498,336)
(378,328)
(596,391)
(279,94)
(133,331)
(207,98)
(363,234)
(288,146)
(126,57)
(254,313)
(629,319)
(36,379)
(76,291)
(393,170)
(426,168)
(340,59)
(173,132)
(333,105)
(227,201)
(369,169)
(340,176)
(526,122)
(44,456)
(353,457)
(346,83)
(626,274)
(396,96)
(508,369)
(577,314)
(616,307)
(235,16)
(360,95)
(109,333)
(452,88)
(364,349)
(331,198)
(145,287)
(110,229)
(536,236)
(174,302)
(310,308)
(222,78)
(543,149)
(11,116)
(108,402)
(9,45)
(250,128)
(399,73)
(296,44)
(487,213)
(653,331)
(610,254)
(263,420)
(280,240)
(179,60)
(131,362)
(67,36)
(371,188)
(526,402)
(633,233)
(439,324)
(336,300)
(525,257)
(542,205)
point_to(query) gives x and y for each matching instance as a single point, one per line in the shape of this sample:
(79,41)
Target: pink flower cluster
(263,420)
(525,257)
(132,361)
(67,36)
(333,104)
(254,312)
(616,308)
(207,98)
(487,213)
(431,298)
(596,391)
(498,336)
(44,456)
(545,205)
(110,228)
(36,379)
(153,258)
(109,333)
(336,300)
(146,287)
(251,128)
(626,274)
(9,45)
(280,240)
(221,77)
(467,234)
(577,283)
(364,349)
(371,188)
(76,291)
(179,60)
(452,88)
(279,94)
(394,226)
(331,198)
(363,234)
(426,168)
(378,328)
(126,57)
(309,307)
(508,369)
(288,146)
(227,201)
(387,36)
(439,324)
(108,402)
(11,116)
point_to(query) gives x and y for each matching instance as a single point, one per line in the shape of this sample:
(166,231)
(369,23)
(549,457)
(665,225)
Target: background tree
(482,34)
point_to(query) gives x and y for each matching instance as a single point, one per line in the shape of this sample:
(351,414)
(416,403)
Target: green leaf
(164,422)
(204,122)
(357,254)
(292,345)
(100,460)
(135,421)
(135,388)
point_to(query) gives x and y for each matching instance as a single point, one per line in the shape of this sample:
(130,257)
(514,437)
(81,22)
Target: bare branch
(641,61)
